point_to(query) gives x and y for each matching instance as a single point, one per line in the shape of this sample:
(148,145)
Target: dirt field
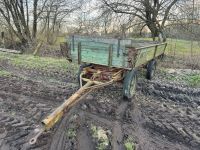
(163,115)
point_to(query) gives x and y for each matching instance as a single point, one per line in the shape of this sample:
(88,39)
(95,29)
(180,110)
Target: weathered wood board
(98,45)
(10,51)
(148,53)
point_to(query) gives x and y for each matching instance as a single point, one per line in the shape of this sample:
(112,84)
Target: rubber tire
(161,57)
(129,84)
(79,72)
(151,68)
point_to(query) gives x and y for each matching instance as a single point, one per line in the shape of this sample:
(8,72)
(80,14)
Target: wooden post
(118,47)
(73,43)
(37,49)
(156,47)
(64,49)
(3,38)
(165,48)
(110,55)
(79,53)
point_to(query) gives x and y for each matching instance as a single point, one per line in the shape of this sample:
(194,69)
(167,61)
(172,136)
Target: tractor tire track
(23,104)
(172,111)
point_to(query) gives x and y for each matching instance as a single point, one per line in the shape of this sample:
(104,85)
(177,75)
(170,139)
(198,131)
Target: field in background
(60,39)
(179,47)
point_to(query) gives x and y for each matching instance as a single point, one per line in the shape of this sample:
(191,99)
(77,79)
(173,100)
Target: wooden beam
(10,51)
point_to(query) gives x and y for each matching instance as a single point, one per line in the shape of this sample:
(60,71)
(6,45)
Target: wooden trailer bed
(112,52)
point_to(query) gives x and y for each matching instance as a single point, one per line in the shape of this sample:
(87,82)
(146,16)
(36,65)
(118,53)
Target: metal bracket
(118,47)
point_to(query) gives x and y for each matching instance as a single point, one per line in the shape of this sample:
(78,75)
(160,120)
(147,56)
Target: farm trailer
(104,61)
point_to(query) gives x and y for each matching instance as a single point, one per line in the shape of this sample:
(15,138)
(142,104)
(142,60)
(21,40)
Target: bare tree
(54,14)
(16,14)
(23,16)
(153,13)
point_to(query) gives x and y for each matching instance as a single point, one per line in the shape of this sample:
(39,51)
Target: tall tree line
(22,17)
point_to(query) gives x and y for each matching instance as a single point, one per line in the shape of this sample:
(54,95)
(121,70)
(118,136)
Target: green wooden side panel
(147,54)
(144,56)
(118,60)
(160,50)
(96,51)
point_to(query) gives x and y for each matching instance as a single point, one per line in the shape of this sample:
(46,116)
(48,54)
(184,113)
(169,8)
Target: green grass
(71,133)
(193,80)
(179,46)
(60,39)
(4,73)
(182,46)
(100,135)
(129,145)
(36,62)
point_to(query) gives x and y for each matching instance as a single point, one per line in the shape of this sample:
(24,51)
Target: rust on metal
(132,53)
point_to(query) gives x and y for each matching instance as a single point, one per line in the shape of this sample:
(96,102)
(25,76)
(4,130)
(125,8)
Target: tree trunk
(35,17)
(156,31)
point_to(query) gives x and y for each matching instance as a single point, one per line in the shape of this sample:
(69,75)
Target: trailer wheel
(129,85)
(151,68)
(162,56)
(79,73)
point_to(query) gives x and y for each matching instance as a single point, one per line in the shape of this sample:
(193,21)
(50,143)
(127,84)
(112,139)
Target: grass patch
(4,73)
(193,80)
(182,46)
(100,135)
(129,145)
(36,62)
(60,39)
(71,133)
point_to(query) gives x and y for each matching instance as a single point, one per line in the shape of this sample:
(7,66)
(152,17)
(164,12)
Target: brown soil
(161,116)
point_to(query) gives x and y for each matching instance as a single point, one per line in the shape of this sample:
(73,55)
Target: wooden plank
(144,56)
(79,53)
(160,50)
(155,51)
(92,41)
(73,43)
(150,46)
(107,40)
(97,53)
(10,51)
(110,56)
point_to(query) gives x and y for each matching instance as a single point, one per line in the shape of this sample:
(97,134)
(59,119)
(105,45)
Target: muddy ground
(163,114)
